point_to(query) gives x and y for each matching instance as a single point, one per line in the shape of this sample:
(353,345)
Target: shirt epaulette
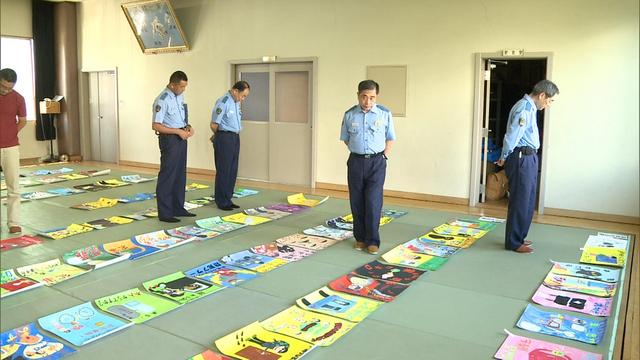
(224,99)
(352,108)
(164,95)
(383,108)
(528,106)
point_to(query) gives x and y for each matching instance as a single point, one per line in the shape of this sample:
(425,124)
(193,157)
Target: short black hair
(368,85)
(177,77)
(8,75)
(241,86)
(547,87)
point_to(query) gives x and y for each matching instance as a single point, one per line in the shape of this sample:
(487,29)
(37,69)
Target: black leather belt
(367,156)
(526,150)
(225,131)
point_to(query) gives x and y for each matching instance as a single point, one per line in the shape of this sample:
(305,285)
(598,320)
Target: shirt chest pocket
(375,128)
(353,129)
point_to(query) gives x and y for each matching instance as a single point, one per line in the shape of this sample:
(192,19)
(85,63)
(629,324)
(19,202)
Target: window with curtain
(17,54)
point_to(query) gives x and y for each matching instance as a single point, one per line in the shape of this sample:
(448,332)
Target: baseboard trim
(139,164)
(401,194)
(593,216)
(196,171)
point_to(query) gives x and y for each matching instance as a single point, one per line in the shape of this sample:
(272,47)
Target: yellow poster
(300,199)
(319,329)
(254,342)
(242,218)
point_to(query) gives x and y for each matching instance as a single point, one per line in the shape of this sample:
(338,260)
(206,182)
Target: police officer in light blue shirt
(367,130)
(226,125)
(171,124)
(520,159)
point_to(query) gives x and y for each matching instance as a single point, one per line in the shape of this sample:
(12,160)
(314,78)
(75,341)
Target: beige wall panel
(393,87)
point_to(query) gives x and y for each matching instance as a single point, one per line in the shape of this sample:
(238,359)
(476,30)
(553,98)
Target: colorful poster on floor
(27,342)
(11,283)
(306,241)
(266,213)
(92,257)
(517,347)
(401,255)
(130,247)
(18,242)
(180,288)
(340,305)
(591,272)
(255,262)
(580,285)
(50,272)
(318,329)
(379,290)
(82,324)
(192,232)
(446,229)
(218,225)
(329,232)
(604,250)
(254,342)
(389,272)
(286,252)
(300,199)
(432,248)
(587,330)
(340,223)
(571,301)
(221,274)
(242,218)
(449,240)
(160,239)
(135,305)
(290,208)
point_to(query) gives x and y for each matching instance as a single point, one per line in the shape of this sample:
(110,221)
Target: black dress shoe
(225,208)
(170,220)
(187,214)
(235,206)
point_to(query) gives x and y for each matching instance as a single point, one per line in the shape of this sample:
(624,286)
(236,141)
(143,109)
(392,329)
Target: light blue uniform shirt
(170,110)
(522,128)
(367,133)
(226,113)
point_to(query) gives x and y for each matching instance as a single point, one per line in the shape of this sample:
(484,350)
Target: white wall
(593,135)
(15,20)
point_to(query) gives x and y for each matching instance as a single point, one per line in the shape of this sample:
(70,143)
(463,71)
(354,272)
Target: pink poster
(565,300)
(521,348)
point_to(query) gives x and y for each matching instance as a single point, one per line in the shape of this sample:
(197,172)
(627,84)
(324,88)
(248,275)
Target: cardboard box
(50,106)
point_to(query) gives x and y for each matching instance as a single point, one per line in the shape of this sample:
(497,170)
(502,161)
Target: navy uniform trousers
(366,181)
(172,177)
(226,151)
(522,172)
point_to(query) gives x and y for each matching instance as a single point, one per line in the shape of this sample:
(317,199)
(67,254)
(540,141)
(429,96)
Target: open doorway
(503,81)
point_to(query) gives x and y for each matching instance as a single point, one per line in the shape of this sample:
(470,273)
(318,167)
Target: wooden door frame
(84,107)
(314,96)
(478,103)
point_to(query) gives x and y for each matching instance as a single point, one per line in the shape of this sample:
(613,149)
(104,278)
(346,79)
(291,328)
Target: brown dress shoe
(528,242)
(359,245)
(15,229)
(524,249)
(372,249)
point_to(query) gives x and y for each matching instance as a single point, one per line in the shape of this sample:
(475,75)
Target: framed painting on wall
(155,26)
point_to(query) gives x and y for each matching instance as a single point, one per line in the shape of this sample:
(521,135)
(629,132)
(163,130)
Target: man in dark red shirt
(13,117)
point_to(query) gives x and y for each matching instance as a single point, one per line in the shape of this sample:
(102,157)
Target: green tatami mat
(456,312)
